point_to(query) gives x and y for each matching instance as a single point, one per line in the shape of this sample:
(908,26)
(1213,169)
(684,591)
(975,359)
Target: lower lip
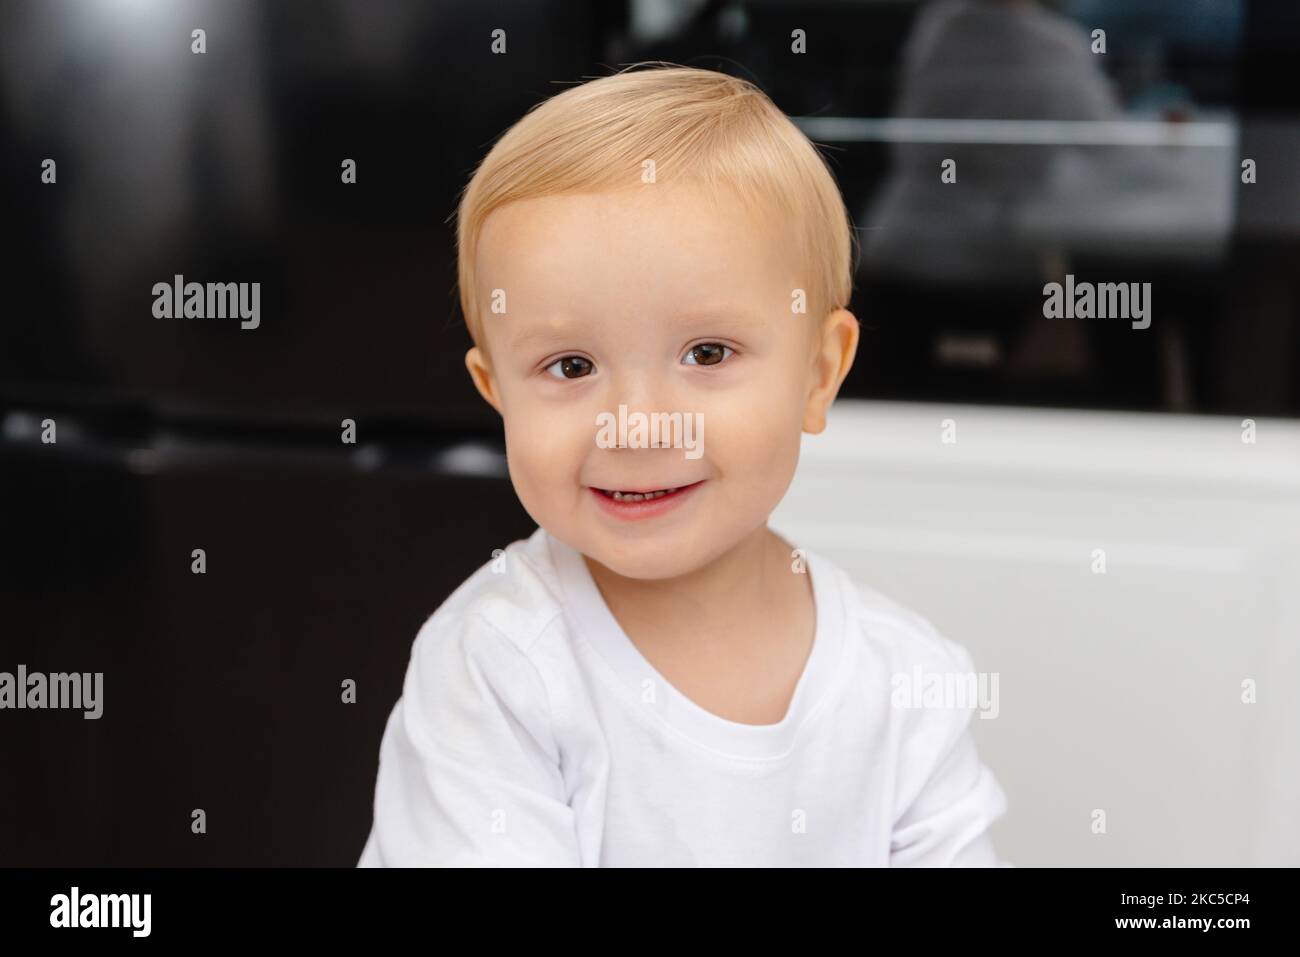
(646,508)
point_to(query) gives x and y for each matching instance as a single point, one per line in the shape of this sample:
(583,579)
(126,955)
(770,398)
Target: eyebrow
(723,315)
(544,333)
(558,330)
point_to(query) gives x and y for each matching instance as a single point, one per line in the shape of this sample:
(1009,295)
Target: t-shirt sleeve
(948,796)
(469,771)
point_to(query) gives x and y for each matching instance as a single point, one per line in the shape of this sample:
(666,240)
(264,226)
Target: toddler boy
(655,677)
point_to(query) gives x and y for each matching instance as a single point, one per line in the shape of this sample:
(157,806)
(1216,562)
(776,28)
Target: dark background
(222,691)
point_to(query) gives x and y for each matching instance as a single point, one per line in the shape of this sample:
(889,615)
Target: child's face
(628,299)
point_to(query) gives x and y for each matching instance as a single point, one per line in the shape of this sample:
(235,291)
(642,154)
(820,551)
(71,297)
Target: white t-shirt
(531,731)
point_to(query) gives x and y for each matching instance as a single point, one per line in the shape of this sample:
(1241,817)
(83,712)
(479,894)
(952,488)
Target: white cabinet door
(1125,575)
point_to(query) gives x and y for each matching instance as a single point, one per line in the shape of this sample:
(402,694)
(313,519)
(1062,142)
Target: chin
(652,560)
(643,568)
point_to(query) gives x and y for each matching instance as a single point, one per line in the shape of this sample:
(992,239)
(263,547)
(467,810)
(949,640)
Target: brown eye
(706,354)
(570,367)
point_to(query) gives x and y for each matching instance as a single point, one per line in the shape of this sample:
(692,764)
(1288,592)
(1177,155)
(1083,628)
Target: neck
(707,604)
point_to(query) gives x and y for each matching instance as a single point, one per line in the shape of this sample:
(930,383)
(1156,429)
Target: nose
(642,410)
(640,388)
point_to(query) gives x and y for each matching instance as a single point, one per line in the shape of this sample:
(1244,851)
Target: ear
(832,359)
(481,374)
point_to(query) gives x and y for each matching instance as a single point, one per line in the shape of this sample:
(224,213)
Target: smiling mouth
(646,495)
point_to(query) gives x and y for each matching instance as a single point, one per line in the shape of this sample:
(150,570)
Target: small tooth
(641,496)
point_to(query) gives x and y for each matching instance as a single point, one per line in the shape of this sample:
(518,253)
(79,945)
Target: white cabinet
(1119,690)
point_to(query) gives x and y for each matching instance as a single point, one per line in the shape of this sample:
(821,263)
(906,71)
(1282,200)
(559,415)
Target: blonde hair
(698,126)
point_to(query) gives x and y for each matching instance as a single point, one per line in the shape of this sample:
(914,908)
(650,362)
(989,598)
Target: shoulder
(896,636)
(479,664)
(1056,35)
(493,621)
(515,593)
(924,679)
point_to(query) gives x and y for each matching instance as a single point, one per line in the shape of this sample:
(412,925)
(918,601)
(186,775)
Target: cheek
(755,443)
(545,446)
